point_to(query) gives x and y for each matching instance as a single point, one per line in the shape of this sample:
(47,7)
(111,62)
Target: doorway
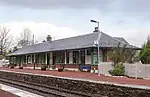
(82,54)
(48,59)
(54,60)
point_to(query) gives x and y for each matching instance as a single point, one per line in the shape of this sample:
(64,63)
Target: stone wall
(78,85)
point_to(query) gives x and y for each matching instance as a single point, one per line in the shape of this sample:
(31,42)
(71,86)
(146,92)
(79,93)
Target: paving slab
(17,91)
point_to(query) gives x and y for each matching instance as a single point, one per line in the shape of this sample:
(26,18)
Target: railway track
(46,91)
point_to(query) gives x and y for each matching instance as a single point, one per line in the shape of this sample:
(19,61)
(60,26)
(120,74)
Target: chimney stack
(49,38)
(96,29)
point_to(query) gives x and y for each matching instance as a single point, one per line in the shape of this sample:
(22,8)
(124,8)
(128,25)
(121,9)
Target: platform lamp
(97,41)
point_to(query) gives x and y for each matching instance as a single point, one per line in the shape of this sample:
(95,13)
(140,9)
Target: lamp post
(97,41)
(96,22)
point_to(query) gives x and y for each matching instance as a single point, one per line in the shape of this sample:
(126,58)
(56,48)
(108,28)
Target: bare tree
(25,38)
(5,41)
(122,54)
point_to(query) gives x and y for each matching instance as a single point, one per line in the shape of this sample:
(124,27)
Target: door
(54,60)
(48,58)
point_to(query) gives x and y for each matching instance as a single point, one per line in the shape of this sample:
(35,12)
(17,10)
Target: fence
(1,63)
(4,62)
(131,70)
(104,67)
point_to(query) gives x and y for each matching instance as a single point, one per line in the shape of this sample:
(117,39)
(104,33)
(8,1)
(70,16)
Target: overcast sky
(64,18)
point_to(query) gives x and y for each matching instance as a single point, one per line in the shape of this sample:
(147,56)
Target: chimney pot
(96,29)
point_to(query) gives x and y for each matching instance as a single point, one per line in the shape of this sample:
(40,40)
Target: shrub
(118,70)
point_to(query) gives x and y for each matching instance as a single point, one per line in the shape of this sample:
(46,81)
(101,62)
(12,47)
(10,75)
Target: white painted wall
(51,58)
(109,53)
(45,58)
(87,59)
(70,57)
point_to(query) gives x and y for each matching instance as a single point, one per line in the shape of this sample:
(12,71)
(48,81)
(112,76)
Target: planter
(53,66)
(11,66)
(60,69)
(43,68)
(20,67)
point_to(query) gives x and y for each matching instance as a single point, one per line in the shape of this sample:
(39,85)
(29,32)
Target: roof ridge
(73,36)
(61,39)
(124,40)
(75,42)
(114,38)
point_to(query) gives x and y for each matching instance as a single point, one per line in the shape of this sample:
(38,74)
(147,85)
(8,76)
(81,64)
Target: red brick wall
(57,65)
(30,65)
(68,66)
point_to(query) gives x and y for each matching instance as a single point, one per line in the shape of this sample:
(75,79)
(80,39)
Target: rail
(46,91)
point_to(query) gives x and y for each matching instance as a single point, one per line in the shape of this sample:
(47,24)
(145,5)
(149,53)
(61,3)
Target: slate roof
(82,41)
(121,39)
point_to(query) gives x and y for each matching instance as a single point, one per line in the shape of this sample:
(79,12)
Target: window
(32,58)
(43,58)
(82,56)
(88,51)
(29,59)
(14,60)
(24,59)
(57,56)
(75,57)
(39,58)
(60,57)
(36,58)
